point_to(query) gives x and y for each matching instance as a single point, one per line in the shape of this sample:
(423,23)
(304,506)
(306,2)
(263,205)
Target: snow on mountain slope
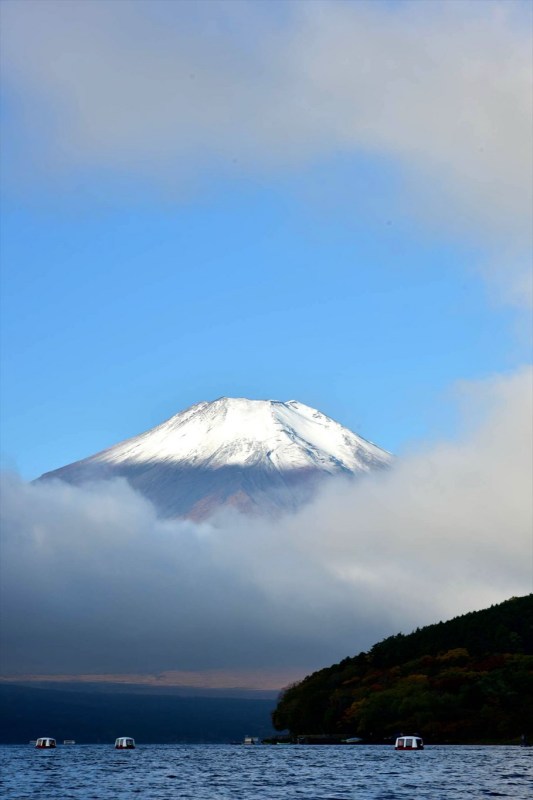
(261,456)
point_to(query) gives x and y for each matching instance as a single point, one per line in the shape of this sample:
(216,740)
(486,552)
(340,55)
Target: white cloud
(170,90)
(93,582)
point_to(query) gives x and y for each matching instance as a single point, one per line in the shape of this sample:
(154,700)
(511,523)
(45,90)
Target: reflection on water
(225,772)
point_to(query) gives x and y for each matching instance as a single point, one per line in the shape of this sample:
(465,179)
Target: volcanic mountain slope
(260,456)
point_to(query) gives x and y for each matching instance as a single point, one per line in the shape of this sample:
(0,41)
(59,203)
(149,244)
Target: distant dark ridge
(154,690)
(465,680)
(98,717)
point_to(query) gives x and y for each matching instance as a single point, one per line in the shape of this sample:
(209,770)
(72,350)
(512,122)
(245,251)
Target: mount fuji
(259,456)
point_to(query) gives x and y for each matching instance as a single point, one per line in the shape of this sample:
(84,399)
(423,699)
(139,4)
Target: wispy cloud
(93,581)
(172,92)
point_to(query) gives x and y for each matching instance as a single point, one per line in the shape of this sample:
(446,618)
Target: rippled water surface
(232,772)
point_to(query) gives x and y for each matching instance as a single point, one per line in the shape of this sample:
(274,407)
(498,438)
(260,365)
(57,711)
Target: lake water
(233,772)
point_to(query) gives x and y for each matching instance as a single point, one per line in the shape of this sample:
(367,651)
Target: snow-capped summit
(257,455)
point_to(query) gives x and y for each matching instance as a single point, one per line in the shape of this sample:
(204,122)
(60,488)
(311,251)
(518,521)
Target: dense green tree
(469,679)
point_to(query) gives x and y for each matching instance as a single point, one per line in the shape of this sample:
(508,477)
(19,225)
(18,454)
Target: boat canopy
(409,743)
(124,743)
(45,741)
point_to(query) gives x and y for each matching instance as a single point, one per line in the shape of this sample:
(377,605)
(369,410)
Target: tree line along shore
(468,680)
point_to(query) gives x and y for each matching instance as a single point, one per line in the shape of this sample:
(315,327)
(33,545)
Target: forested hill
(468,679)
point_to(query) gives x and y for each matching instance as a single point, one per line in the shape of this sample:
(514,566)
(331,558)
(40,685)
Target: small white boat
(45,742)
(69,741)
(251,740)
(125,743)
(409,743)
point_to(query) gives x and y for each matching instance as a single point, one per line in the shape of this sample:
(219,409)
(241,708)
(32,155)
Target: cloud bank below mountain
(93,582)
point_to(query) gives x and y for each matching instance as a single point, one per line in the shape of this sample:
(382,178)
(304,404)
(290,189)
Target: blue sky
(227,210)
(321,201)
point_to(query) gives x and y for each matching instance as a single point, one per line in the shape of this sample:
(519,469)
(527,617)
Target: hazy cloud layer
(174,91)
(92,581)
